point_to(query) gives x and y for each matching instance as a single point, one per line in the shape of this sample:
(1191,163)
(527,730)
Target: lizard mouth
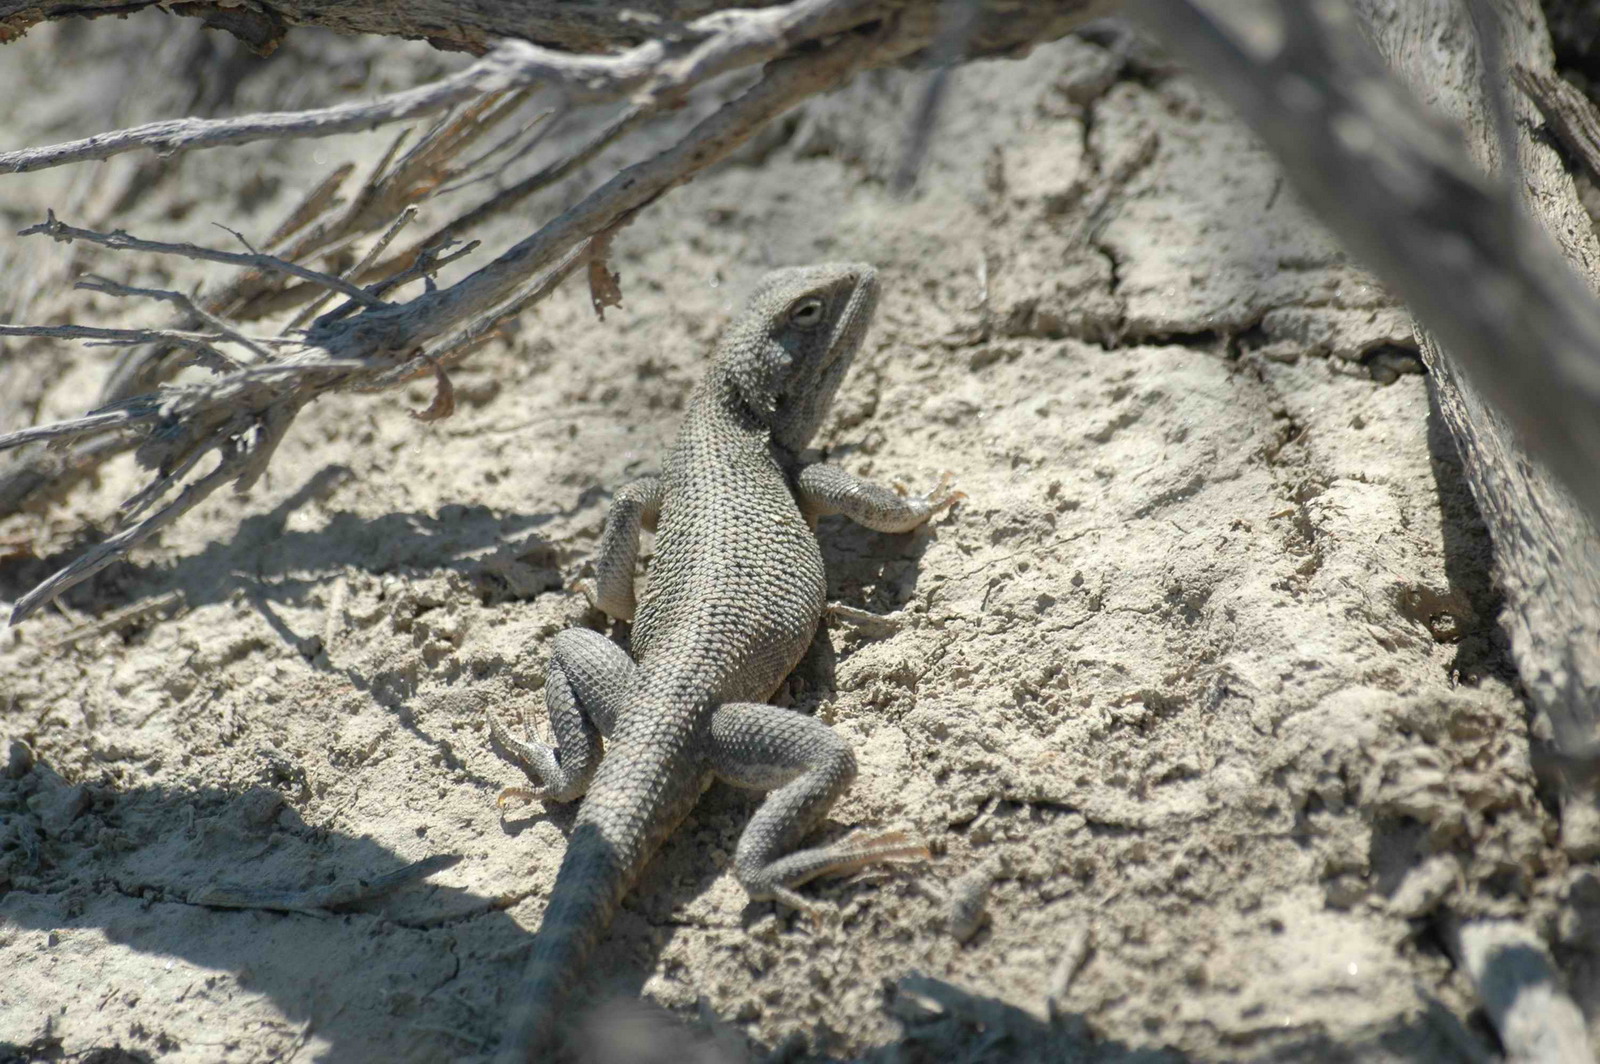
(854,321)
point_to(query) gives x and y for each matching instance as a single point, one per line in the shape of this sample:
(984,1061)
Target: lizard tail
(588,889)
(633,805)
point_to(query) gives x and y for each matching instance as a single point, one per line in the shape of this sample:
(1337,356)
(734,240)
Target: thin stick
(98,421)
(110,549)
(507,198)
(731,39)
(96,283)
(309,311)
(785,83)
(200,343)
(121,241)
(317,901)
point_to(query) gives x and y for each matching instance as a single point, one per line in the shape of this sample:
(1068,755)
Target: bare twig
(428,261)
(507,198)
(541,126)
(1516,978)
(366,344)
(404,219)
(96,283)
(121,241)
(722,41)
(117,619)
(99,421)
(200,343)
(319,199)
(785,83)
(107,551)
(318,901)
(493,72)
(456,347)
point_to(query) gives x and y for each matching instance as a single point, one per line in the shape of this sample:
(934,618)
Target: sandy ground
(1202,682)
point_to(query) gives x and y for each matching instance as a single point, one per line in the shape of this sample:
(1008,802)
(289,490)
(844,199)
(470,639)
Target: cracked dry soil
(1198,696)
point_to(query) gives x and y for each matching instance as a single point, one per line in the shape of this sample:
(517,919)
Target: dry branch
(365,343)
(1537,1021)
(592,27)
(121,241)
(184,304)
(658,69)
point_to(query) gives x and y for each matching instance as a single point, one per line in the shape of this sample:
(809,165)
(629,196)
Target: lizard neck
(721,416)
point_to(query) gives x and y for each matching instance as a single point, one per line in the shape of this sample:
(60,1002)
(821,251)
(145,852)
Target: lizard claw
(524,794)
(941,497)
(855,852)
(816,914)
(533,756)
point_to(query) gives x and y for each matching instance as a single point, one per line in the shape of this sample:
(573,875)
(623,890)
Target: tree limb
(659,69)
(367,344)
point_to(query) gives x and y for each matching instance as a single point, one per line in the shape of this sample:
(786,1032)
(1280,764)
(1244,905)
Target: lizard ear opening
(757,379)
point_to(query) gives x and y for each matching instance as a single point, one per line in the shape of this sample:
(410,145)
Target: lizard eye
(806,313)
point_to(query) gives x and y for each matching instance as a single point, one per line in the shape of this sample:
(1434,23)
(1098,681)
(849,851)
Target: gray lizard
(731,605)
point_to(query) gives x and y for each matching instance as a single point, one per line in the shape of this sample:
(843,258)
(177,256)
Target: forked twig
(121,241)
(716,43)
(366,343)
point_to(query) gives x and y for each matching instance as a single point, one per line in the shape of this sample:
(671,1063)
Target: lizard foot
(539,760)
(845,857)
(866,618)
(939,498)
(521,794)
(853,853)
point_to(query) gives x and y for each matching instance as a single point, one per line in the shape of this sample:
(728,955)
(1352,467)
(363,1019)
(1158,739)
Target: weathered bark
(462,25)
(1003,25)
(1547,552)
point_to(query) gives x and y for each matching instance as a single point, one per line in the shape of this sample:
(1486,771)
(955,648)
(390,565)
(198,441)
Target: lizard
(731,604)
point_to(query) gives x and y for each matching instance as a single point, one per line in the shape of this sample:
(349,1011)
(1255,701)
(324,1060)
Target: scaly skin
(730,607)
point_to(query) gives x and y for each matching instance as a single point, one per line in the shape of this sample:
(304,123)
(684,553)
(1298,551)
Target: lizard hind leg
(589,680)
(804,767)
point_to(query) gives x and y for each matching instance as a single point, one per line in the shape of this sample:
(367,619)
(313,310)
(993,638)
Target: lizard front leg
(588,682)
(804,767)
(636,505)
(824,489)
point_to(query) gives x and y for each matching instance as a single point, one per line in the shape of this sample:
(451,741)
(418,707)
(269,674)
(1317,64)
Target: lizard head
(792,345)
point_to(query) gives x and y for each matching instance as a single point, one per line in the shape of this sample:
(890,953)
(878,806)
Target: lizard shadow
(875,571)
(411,974)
